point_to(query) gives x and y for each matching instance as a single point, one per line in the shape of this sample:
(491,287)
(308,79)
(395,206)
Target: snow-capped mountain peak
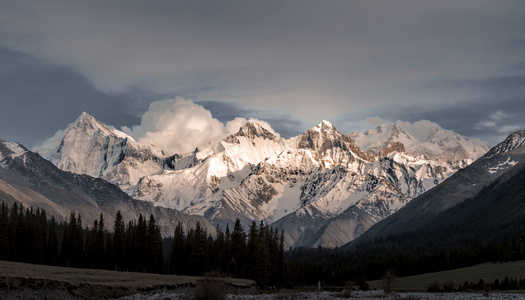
(88,146)
(252,129)
(325,125)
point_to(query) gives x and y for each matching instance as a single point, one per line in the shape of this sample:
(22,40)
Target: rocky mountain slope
(502,161)
(28,178)
(322,187)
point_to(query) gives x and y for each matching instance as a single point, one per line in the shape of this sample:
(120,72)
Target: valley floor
(371,295)
(26,281)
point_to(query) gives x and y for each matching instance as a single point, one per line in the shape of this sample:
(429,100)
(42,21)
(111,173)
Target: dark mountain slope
(39,180)
(465,184)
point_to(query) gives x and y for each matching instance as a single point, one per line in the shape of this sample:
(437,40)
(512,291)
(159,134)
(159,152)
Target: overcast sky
(292,64)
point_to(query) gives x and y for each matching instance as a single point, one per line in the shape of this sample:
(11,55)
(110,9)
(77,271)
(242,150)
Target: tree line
(28,235)
(506,284)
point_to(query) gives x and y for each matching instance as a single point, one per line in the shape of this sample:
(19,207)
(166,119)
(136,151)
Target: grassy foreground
(488,272)
(89,283)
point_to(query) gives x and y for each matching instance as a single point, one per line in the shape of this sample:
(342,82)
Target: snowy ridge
(422,138)
(513,141)
(303,184)
(14,150)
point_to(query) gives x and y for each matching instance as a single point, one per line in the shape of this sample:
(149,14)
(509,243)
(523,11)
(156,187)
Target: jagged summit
(324,124)
(253,129)
(86,122)
(89,147)
(513,141)
(325,139)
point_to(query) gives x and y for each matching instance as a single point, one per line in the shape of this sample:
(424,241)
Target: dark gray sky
(292,64)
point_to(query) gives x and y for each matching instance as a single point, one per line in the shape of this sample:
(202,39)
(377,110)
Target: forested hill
(27,235)
(489,226)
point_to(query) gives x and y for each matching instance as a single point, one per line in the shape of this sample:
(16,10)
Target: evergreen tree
(153,248)
(129,247)
(118,241)
(280,261)
(219,250)
(4,232)
(90,245)
(95,254)
(198,255)
(38,228)
(99,244)
(13,221)
(72,253)
(253,240)
(140,244)
(51,252)
(109,255)
(177,259)
(262,257)
(21,236)
(238,250)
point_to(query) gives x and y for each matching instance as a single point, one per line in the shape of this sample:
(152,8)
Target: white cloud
(493,121)
(374,121)
(179,126)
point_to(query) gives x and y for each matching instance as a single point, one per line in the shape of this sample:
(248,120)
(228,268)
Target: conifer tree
(95,245)
(198,255)
(238,249)
(253,239)
(118,241)
(99,244)
(52,244)
(140,244)
(23,235)
(153,248)
(37,231)
(109,256)
(4,232)
(72,244)
(13,221)
(262,257)
(177,259)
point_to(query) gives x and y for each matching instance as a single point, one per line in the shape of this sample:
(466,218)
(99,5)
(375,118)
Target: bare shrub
(387,279)
(211,287)
(448,286)
(347,292)
(434,287)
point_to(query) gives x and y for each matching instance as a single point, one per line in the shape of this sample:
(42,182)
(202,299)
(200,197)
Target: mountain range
(324,188)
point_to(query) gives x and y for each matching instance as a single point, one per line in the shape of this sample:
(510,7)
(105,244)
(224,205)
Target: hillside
(473,181)
(35,182)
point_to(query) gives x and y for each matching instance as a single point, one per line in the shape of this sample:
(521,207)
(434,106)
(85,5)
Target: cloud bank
(179,126)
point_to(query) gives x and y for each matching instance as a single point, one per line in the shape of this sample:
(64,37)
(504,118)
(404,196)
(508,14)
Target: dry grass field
(93,284)
(488,272)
